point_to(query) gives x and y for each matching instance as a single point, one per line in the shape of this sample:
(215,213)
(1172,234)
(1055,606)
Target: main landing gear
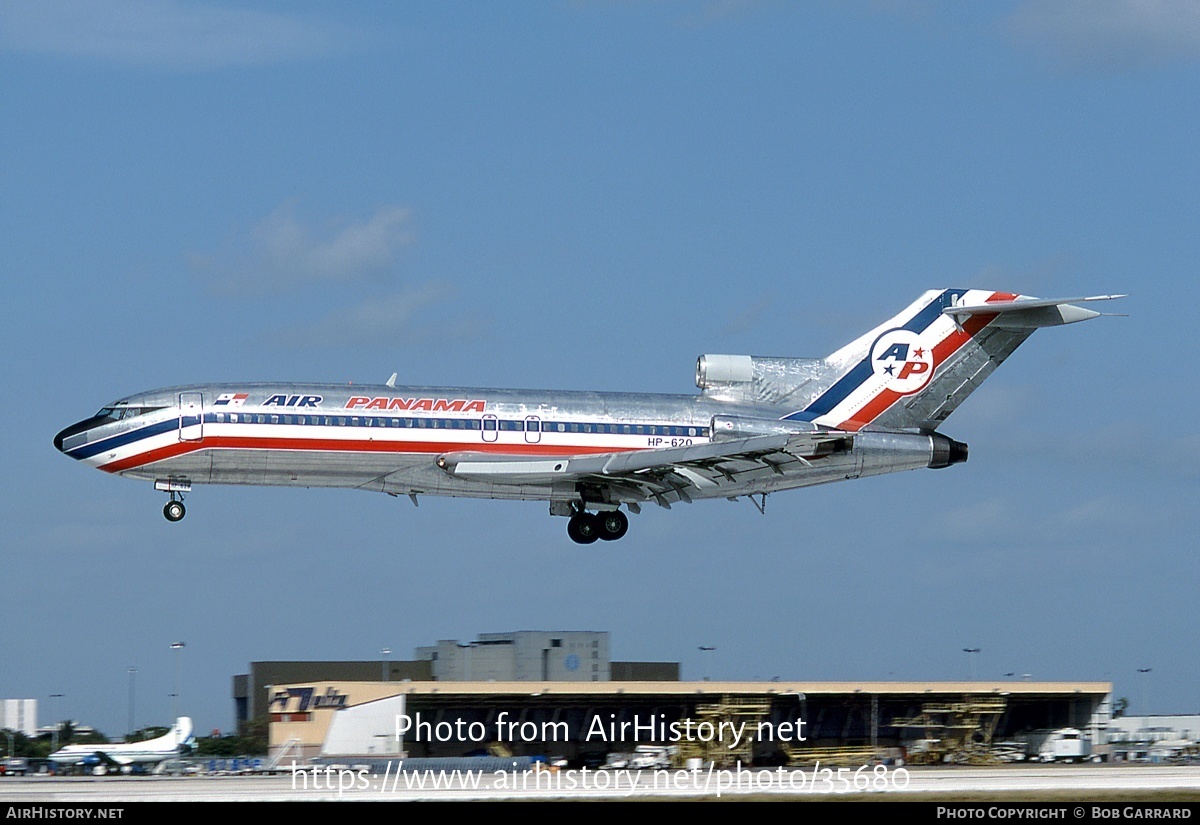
(585,528)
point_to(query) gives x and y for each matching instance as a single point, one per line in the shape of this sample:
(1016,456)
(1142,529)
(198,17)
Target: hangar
(761,723)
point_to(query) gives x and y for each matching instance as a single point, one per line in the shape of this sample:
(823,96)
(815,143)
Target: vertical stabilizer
(912,372)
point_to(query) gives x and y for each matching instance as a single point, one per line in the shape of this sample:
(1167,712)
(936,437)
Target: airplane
(99,759)
(757,426)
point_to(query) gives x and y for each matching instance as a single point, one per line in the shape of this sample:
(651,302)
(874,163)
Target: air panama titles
(382,402)
(428,404)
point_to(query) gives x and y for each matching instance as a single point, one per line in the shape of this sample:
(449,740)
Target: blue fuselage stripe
(121,439)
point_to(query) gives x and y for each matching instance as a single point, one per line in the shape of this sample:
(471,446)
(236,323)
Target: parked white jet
(758,424)
(102,758)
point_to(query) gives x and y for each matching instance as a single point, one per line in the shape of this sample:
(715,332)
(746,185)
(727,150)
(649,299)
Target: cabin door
(191,416)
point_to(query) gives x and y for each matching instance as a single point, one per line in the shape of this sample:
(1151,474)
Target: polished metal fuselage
(759,424)
(388,439)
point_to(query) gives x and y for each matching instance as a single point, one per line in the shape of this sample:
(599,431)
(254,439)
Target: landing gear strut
(585,528)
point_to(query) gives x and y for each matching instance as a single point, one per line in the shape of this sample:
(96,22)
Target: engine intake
(718,370)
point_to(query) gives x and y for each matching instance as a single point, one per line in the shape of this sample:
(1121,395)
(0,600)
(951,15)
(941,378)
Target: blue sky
(588,195)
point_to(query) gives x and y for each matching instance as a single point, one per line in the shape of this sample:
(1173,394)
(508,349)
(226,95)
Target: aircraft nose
(75,429)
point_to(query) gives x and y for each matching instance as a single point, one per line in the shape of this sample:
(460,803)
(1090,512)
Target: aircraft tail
(182,731)
(912,372)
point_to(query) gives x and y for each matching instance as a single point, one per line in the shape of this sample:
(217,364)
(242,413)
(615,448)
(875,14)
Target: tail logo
(902,361)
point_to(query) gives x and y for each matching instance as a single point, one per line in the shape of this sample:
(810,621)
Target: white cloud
(164,33)
(748,318)
(379,320)
(971,520)
(1110,33)
(1001,520)
(280,252)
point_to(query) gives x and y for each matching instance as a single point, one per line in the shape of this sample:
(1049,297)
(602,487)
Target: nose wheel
(585,528)
(174,509)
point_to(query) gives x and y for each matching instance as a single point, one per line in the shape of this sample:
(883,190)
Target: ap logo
(905,364)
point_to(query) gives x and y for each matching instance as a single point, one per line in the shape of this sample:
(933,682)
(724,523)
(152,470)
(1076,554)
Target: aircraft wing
(114,757)
(80,757)
(654,473)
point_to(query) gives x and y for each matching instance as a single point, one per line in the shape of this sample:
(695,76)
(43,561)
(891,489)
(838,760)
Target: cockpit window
(120,413)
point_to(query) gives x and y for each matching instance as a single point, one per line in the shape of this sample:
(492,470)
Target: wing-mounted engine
(755,379)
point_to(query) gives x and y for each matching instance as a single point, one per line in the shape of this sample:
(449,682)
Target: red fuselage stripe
(350,446)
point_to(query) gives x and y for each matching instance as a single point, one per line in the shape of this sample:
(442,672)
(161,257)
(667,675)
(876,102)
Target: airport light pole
(178,648)
(1145,689)
(970,650)
(708,660)
(54,731)
(132,671)
(387,651)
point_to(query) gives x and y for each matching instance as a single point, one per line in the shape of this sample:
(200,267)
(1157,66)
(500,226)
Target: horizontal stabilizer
(1030,313)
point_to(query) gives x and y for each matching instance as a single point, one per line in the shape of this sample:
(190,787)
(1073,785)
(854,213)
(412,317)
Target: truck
(14,766)
(1058,745)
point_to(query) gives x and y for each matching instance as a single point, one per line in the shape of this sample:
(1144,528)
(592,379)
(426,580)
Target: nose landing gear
(174,509)
(175,487)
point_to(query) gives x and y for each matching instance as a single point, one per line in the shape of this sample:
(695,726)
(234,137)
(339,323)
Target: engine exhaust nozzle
(946,451)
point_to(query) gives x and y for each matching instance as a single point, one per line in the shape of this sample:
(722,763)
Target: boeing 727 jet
(758,425)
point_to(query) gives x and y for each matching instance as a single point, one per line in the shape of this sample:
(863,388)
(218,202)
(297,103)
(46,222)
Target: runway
(1025,783)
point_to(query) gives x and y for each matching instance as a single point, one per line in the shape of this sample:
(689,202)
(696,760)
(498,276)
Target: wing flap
(501,467)
(697,465)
